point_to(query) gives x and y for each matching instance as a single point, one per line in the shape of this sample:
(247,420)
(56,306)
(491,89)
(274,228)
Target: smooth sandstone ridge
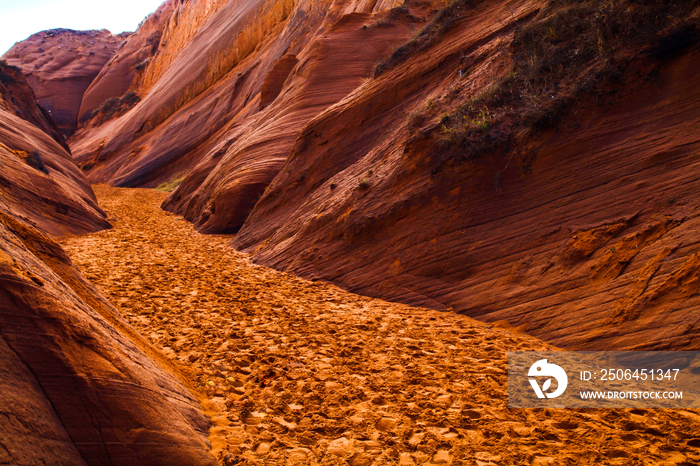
(584,235)
(201,101)
(367,143)
(39,181)
(77,385)
(121,73)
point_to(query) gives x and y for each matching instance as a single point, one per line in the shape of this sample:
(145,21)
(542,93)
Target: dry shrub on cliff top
(114,107)
(429,35)
(569,49)
(142,65)
(7,73)
(35,161)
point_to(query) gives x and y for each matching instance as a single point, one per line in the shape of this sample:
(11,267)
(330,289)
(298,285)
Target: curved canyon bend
(308,232)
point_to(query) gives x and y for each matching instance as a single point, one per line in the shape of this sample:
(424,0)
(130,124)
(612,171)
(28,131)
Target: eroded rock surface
(60,64)
(583,234)
(327,70)
(120,74)
(77,384)
(357,142)
(202,99)
(38,179)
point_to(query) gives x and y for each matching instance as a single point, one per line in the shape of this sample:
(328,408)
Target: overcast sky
(22,18)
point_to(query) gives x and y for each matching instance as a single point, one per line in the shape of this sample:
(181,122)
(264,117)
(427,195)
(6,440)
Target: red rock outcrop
(340,153)
(274,81)
(60,64)
(328,69)
(583,234)
(131,59)
(19,98)
(38,179)
(203,88)
(77,385)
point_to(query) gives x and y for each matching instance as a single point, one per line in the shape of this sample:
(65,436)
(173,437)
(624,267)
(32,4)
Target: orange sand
(295,372)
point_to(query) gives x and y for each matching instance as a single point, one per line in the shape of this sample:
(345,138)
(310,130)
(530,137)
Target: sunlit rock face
(123,72)
(582,234)
(38,179)
(288,124)
(234,81)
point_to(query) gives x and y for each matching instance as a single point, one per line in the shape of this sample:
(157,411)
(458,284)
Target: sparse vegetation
(142,65)
(394,14)
(568,50)
(109,106)
(482,120)
(429,35)
(115,107)
(364,183)
(169,186)
(35,161)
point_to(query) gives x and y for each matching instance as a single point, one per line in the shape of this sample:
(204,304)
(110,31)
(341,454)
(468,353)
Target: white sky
(20,19)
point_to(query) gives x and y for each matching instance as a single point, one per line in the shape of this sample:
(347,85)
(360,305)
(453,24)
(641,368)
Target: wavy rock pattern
(78,387)
(77,384)
(551,237)
(60,64)
(268,115)
(304,373)
(38,179)
(123,70)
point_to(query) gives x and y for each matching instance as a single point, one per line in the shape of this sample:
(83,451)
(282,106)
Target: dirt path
(297,372)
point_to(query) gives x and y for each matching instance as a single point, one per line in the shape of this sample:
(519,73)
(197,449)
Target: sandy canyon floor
(299,372)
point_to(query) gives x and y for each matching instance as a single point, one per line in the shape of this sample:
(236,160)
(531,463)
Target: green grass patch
(169,186)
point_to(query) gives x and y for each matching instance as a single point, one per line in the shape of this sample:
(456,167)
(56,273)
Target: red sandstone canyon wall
(445,155)
(60,65)
(77,385)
